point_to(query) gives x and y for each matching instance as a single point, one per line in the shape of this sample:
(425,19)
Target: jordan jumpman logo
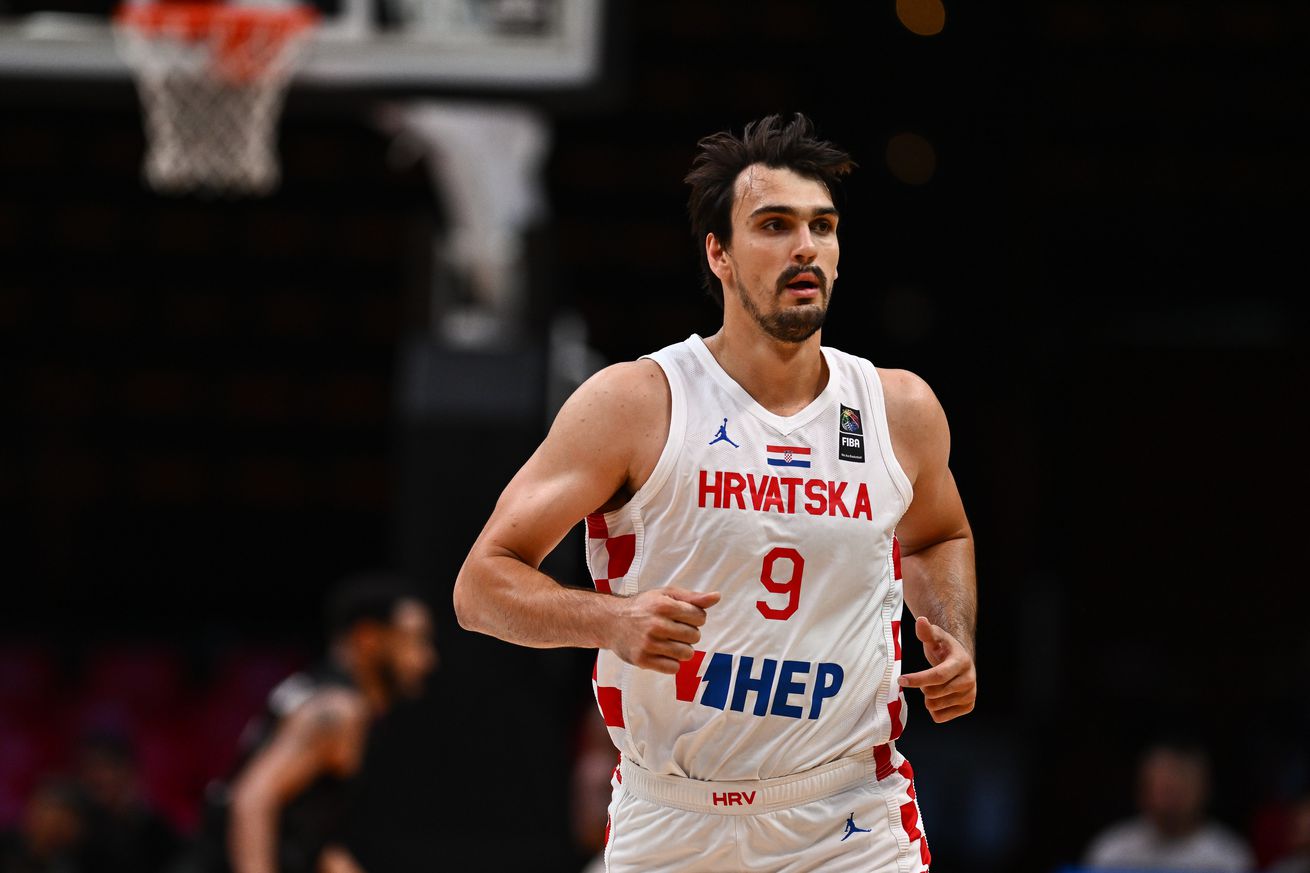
(722,436)
(852,829)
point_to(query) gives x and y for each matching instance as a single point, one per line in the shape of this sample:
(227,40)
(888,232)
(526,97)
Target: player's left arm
(936,546)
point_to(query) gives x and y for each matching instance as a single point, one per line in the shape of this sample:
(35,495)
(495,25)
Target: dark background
(1101,280)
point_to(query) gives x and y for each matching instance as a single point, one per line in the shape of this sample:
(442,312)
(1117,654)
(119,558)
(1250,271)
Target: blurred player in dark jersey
(285,806)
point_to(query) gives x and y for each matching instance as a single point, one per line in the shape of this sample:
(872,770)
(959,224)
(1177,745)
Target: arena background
(1083,222)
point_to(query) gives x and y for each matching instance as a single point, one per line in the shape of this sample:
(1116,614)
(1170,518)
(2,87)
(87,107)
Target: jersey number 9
(791,587)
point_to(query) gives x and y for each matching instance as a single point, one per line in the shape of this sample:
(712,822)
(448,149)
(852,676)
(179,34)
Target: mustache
(793,271)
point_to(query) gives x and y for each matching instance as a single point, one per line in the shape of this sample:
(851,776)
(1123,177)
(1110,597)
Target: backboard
(406,46)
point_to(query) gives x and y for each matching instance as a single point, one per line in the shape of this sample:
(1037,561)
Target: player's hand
(657,629)
(950,686)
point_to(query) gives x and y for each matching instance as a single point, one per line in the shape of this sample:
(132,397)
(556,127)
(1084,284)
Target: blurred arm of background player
(324,735)
(936,549)
(600,450)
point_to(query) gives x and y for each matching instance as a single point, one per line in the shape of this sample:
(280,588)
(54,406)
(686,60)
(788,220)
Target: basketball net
(212,79)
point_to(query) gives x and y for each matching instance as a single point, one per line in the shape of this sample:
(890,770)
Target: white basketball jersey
(792,519)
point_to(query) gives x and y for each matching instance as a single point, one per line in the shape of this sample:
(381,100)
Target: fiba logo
(850,435)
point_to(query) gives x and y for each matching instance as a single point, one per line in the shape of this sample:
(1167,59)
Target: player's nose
(806,250)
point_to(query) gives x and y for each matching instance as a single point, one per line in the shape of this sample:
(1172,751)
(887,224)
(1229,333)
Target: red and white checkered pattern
(889,761)
(609,557)
(896,708)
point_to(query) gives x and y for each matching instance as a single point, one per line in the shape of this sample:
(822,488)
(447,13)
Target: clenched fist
(656,629)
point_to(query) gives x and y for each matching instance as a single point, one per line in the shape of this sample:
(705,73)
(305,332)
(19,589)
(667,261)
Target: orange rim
(249,37)
(195,20)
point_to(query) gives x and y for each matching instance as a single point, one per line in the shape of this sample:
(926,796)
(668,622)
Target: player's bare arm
(325,735)
(936,543)
(603,446)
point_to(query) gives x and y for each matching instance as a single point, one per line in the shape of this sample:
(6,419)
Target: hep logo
(790,689)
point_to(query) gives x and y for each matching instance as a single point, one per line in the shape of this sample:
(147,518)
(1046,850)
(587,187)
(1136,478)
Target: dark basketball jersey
(311,820)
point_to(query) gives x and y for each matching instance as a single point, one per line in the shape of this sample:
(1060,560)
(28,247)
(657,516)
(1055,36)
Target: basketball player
(284,809)
(757,508)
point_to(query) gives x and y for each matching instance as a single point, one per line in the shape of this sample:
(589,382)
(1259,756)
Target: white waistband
(751,797)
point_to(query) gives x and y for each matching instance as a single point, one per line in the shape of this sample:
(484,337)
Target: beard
(789,324)
(395,685)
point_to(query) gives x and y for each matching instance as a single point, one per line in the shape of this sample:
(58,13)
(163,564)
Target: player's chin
(412,690)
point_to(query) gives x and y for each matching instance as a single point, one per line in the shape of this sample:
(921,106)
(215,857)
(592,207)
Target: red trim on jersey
(596,527)
(603,586)
(896,638)
(894,708)
(611,705)
(896,558)
(795,450)
(910,815)
(621,549)
(688,678)
(882,762)
(910,820)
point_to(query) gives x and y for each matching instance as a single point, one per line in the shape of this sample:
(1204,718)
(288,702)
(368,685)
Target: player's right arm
(602,447)
(324,735)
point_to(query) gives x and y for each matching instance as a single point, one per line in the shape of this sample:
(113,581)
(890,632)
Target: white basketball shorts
(855,814)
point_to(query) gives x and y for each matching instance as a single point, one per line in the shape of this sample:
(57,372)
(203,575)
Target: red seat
(171,767)
(28,751)
(246,674)
(147,678)
(243,676)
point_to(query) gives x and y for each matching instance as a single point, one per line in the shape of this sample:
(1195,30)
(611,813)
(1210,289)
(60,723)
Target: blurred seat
(172,767)
(149,679)
(32,739)
(243,677)
(29,750)
(141,692)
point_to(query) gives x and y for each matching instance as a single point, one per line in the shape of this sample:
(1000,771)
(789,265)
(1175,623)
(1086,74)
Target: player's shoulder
(641,378)
(625,393)
(332,709)
(1118,843)
(909,398)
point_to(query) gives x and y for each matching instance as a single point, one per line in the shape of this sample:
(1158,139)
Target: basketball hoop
(212,78)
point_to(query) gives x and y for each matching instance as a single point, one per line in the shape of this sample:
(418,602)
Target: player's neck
(782,377)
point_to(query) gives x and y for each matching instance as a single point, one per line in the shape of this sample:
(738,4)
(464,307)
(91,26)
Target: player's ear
(717,255)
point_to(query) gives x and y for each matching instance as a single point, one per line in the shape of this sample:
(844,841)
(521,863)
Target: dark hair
(366,597)
(110,744)
(59,791)
(1179,745)
(722,156)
